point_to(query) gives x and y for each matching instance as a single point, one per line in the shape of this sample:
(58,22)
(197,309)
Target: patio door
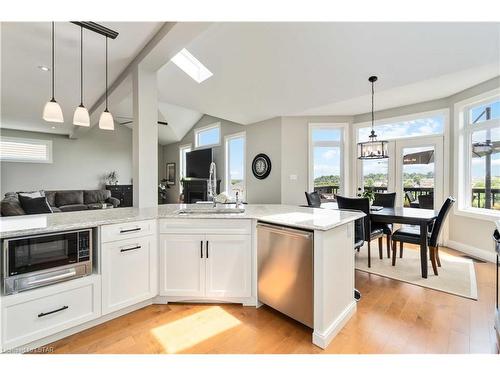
(419,176)
(414,168)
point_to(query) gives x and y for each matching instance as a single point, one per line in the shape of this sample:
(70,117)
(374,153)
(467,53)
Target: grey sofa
(62,201)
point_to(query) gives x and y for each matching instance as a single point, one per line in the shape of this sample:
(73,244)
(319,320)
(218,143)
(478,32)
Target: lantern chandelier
(373,148)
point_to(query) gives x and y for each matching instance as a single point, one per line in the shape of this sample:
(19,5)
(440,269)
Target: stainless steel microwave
(39,260)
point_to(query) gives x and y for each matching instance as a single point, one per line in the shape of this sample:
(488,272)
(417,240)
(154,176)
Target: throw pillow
(32,194)
(36,205)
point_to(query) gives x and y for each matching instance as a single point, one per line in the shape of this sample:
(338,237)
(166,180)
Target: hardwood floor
(392,317)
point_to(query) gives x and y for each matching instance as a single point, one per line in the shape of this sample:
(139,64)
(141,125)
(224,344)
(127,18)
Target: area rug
(456,274)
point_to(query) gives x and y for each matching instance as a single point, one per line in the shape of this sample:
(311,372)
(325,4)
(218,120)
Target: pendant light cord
(53,63)
(373,116)
(81,66)
(106,74)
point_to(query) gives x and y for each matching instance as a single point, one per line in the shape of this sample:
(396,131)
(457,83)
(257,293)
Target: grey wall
(171,151)
(264,137)
(77,163)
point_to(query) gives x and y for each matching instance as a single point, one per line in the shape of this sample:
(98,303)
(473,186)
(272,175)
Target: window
(326,166)
(235,165)
(432,125)
(207,136)
(25,150)
(183,150)
(481,131)
(191,66)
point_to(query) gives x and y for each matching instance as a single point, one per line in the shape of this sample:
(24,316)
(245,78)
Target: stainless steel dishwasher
(285,270)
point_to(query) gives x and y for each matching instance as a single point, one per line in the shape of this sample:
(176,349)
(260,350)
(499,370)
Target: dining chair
(411,234)
(313,199)
(369,233)
(386,200)
(426,201)
(412,202)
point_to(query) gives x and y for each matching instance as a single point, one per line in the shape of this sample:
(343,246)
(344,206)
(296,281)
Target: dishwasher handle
(285,230)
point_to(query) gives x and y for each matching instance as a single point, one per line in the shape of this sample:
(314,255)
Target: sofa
(61,201)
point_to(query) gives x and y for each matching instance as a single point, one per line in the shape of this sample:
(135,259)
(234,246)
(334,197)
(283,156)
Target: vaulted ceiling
(260,70)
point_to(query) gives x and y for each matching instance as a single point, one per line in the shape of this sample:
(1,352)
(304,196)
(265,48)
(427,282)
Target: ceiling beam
(170,39)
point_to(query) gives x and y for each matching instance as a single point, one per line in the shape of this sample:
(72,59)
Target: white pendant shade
(106,121)
(81,116)
(52,112)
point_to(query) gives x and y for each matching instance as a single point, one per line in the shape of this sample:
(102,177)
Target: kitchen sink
(210,210)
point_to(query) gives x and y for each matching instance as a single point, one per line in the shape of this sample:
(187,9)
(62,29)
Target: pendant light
(81,116)
(373,149)
(52,111)
(106,121)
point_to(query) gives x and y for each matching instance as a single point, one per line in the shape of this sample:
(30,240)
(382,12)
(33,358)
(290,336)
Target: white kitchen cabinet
(129,272)
(210,266)
(228,265)
(182,265)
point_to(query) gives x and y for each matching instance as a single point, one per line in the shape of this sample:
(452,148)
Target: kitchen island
(195,257)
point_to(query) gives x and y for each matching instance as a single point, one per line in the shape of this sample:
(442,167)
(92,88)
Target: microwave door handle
(71,273)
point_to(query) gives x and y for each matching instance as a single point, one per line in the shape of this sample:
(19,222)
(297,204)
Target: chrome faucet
(212,182)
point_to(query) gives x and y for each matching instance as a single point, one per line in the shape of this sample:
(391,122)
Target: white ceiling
(180,120)
(263,70)
(25,88)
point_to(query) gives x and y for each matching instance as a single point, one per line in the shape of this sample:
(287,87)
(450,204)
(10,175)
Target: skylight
(191,66)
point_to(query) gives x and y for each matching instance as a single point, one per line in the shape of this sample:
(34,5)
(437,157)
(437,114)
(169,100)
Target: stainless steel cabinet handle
(201,249)
(53,311)
(130,230)
(207,249)
(122,250)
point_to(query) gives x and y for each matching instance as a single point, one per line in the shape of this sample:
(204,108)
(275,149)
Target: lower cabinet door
(129,272)
(228,265)
(182,259)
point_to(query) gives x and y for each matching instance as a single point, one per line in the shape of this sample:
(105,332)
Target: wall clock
(261,166)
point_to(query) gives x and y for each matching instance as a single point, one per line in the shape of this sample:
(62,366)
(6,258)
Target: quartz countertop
(294,216)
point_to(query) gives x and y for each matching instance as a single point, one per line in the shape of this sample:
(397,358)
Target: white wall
(77,163)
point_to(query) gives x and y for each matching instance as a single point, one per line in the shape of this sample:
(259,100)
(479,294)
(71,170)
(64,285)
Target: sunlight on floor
(193,329)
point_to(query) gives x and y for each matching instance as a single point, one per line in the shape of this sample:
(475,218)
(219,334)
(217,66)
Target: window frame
(197,132)
(343,144)
(182,162)
(463,157)
(47,142)
(227,159)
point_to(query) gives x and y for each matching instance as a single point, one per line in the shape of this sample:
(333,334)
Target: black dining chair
(386,200)
(412,202)
(313,199)
(369,233)
(411,234)
(426,201)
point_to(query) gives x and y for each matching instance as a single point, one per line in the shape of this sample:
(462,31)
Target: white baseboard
(323,339)
(475,252)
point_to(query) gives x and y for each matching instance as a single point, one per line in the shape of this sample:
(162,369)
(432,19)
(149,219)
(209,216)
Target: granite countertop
(299,217)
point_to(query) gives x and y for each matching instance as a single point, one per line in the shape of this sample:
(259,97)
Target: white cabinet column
(145,137)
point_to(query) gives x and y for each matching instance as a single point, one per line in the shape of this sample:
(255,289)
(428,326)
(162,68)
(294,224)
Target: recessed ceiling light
(191,66)
(44,68)
(52,127)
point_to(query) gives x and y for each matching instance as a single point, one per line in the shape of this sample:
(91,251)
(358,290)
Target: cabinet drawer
(205,226)
(123,231)
(30,316)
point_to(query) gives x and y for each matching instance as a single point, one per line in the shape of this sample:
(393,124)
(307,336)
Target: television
(198,163)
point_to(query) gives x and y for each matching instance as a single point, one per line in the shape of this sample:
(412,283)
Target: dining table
(404,215)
